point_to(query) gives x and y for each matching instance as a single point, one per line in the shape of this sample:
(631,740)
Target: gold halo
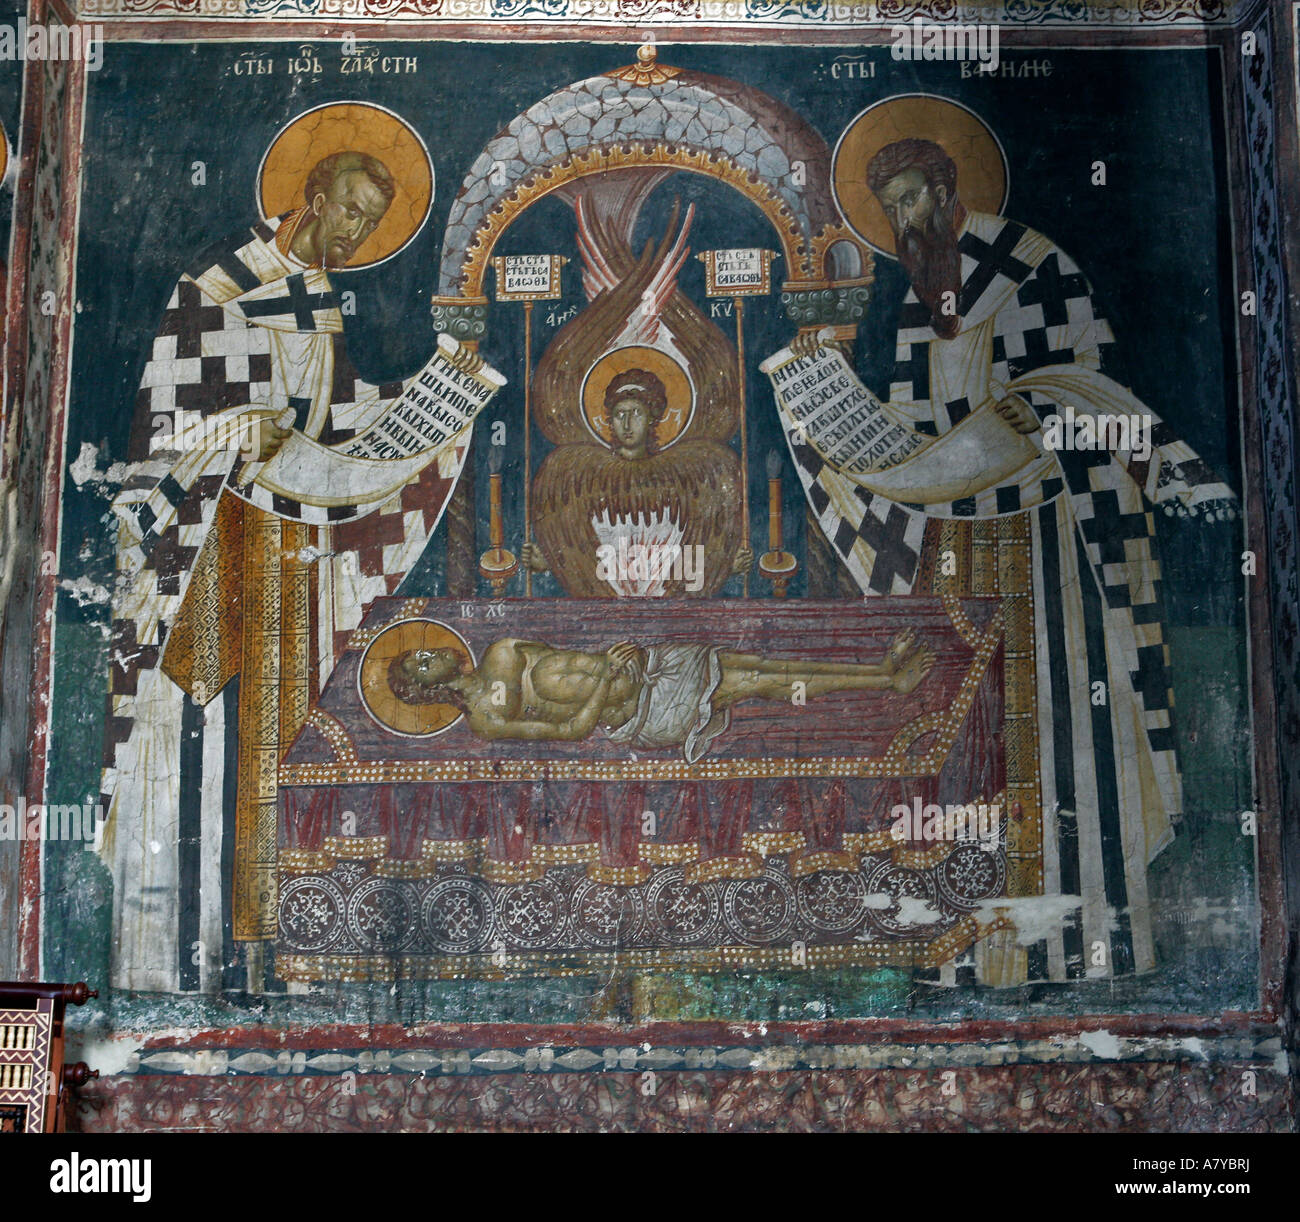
(360,127)
(412,720)
(677,385)
(982,175)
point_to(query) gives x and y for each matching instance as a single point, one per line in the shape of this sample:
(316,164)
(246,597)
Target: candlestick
(528,438)
(777,565)
(496,565)
(773,510)
(495,530)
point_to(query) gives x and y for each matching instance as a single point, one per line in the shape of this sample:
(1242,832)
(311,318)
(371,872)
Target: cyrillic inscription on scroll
(822,400)
(437,404)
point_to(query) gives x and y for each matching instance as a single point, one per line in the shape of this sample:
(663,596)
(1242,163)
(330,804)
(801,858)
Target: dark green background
(1154,242)
(11,101)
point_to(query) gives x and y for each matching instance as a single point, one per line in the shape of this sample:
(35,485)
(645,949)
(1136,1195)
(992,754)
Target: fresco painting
(332,753)
(592,532)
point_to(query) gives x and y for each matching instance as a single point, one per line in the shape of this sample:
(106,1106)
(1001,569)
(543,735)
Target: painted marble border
(43,283)
(1274,395)
(1141,1097)
(815,14)
(766,1090)
(1097,1047)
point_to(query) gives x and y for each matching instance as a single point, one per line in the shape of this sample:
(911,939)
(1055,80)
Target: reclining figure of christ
(674,695)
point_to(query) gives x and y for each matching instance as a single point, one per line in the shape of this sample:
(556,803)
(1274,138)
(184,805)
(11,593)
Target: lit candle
(773,501)
(496,564)
(495,527)
(777,565)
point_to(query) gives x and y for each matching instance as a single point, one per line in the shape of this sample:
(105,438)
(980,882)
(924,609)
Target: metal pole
(744,431)
(528,441)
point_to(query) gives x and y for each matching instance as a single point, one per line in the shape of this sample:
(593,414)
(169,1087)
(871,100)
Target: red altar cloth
(819,781)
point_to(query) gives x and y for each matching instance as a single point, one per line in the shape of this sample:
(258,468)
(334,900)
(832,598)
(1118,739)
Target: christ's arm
(494,726)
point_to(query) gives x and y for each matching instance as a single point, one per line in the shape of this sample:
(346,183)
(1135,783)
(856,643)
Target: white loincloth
(675,706)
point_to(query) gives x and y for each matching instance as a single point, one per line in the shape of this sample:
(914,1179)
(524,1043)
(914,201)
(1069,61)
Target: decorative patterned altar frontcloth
(446,855)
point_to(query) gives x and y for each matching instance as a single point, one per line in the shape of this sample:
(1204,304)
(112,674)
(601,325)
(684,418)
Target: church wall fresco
(10,101)
(531,555)
(37,118)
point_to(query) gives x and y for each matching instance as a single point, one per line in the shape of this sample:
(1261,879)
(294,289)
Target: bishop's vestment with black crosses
(1107,765)
(233,601)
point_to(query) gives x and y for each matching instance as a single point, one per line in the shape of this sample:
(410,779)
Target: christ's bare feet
(899,648)
(914,669)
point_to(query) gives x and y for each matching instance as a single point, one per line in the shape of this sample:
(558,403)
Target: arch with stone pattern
(650,115)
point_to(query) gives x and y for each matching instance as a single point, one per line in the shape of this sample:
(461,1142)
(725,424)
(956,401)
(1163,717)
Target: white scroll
(841,419)
(822,401)
(435,408)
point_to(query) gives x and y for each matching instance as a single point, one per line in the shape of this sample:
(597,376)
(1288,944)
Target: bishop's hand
(265,439)
(466,360)
(1018,414)
(807,342)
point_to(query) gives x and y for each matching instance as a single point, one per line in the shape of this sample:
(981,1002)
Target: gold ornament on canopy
(382,703)
(982,175)
(359,127)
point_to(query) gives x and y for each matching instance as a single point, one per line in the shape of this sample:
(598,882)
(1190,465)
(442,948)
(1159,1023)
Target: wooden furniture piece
(34,1080)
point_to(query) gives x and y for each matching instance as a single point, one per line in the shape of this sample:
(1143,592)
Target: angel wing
(635,295)
(694,485)
(598,276)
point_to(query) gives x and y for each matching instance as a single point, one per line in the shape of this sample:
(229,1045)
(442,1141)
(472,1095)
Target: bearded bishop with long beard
(999,318)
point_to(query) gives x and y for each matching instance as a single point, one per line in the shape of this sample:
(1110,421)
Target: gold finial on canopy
(647,70)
